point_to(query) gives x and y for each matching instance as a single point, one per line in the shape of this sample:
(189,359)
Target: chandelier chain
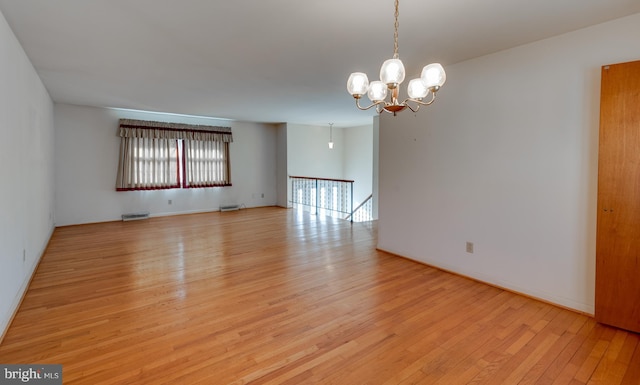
(395,32)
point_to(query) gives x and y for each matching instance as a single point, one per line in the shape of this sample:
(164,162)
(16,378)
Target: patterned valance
(130,128)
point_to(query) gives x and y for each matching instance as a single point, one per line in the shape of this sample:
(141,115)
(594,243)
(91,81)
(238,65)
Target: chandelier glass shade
(392,74)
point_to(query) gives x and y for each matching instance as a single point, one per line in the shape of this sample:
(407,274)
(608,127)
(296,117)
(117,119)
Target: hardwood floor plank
(274,296)
(610,371)
(595,355)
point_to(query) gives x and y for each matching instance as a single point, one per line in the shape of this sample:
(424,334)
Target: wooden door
(618,233)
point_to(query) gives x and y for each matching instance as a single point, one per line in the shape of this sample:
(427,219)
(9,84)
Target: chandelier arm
(409,106)
(420,102)
(376,104)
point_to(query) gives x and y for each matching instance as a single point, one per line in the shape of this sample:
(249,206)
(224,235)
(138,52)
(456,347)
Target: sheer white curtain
(206,163)
(148,164)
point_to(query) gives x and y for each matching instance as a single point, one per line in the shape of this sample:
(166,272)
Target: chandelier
(391,76)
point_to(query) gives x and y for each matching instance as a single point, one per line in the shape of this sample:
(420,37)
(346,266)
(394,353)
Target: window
(156,155)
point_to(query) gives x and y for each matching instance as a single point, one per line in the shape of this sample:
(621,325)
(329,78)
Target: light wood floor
(265,296)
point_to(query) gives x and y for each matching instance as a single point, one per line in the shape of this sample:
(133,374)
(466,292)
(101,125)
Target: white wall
(87,145)
(282,184)
(507,159)
(26,175)
(358,160)
(309,155)
(376,166)
(308,152)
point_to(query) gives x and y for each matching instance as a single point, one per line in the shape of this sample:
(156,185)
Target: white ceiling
(266,60)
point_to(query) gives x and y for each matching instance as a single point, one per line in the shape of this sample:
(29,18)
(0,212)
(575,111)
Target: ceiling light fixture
(391,76)
(330,136)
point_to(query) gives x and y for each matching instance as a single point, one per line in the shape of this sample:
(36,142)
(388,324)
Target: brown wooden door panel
(618,233)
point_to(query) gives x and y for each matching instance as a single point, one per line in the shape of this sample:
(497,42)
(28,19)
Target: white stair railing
(332,195)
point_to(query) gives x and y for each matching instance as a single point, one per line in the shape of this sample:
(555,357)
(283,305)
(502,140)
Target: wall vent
(134,216)
(230,208)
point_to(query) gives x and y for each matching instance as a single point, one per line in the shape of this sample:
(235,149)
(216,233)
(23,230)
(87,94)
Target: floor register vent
(134,216)
(230,208)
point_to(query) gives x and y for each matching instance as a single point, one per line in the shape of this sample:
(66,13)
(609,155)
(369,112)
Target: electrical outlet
(170,201)
(470,247)
(262,195)
(24,255)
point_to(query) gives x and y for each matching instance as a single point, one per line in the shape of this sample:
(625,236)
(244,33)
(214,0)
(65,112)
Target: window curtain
(150,155)
(206,164)
(148,164)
